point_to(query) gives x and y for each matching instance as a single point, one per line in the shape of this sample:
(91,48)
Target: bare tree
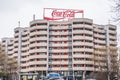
(8,66)
(107,63)
(99,63)
(3,63)
(116,10)
(12,68)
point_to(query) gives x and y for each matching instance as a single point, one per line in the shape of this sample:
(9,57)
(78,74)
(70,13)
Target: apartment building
(67,47)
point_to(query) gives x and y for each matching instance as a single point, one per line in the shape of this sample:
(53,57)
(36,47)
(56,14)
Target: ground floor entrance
(29,76)
(66,75)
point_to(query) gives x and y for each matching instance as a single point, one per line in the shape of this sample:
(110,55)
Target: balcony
(78,68)
(82,26)
(98,46)
(112,32)
(100,41)
(78,49)
(82,43)
(88,38)
(59,50)
(99,30)
(42,27)
(113,37)
(83,37)
(60,68)
(25,38)
(25,43)
(16,34)
(113,42)
(60,33)
(38,38)
(58,39)
(37,62)
(99,36)
(78,31)
(82,49)
(59,62)
(59,44)
(37,56)
(56,56)
(38,33)
(83,62)
(37,68)
(37,50)
(59,27)
(83,56)
(37,44)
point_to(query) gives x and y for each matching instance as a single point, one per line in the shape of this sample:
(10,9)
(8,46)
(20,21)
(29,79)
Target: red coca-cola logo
(59,14)
(69,13)
(64,13)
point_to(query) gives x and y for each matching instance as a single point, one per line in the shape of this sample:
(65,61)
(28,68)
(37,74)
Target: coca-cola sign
(58,14)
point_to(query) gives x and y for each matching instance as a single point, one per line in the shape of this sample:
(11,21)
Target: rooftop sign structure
(61,14)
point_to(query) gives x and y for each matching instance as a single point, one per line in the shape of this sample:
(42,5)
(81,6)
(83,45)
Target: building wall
(63,46)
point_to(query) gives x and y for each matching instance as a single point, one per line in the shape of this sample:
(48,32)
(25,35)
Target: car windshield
(53,75)
(54,79)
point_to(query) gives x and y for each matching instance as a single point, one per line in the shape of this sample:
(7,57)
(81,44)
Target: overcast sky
(12,11)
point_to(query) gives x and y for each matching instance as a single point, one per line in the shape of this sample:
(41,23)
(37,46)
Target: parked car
(54,76)
(90,79)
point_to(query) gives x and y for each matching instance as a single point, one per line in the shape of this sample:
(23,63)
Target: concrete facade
(67,47)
